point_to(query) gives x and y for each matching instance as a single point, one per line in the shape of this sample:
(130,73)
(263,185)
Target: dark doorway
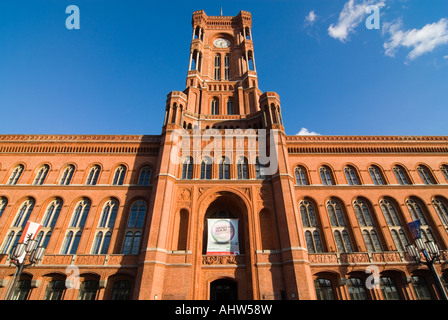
(223,289)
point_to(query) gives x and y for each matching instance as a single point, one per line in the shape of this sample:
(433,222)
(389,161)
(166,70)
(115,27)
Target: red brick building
(129,213)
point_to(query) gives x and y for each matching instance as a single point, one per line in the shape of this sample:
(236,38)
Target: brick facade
(155,246)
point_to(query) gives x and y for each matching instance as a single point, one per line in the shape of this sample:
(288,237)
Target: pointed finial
(221,11)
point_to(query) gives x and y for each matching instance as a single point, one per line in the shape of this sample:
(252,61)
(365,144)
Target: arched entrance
(223,289)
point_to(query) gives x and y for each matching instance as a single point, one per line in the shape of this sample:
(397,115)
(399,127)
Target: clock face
(221,43)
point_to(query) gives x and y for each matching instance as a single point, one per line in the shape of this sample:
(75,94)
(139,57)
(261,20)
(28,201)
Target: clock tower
(231,182)
(222,84)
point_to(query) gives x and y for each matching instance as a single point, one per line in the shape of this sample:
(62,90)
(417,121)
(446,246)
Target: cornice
(366,144)
(366,138)
(80,138)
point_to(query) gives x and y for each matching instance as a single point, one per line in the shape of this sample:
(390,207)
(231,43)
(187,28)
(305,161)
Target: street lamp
(432,254)
(19,255)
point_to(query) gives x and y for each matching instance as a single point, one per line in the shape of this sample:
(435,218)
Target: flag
(416,231)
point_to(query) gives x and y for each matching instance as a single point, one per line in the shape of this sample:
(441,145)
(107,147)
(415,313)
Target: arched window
(372,241)
(119,175)
(242,168)
(109,214)
(41,175)
(101,243)
(416,210)
(335,212)
(389,289)
(121,290)
(227,67)
(214,107)
(401,175)
(137,214)
(310,226)
(341,236)
(426,175)
(377,175)
(362,213)
(400,239)
(356,289)
(441,206)
(351,175)
(444,169)
(366,223)
(217,67)
(259,170)
(71,243)
(24,213)
(224,168)
(395,226)
(67,175)
(52,213)
(421,288)
(43,238)
(324,289)
(301,176)
(3,204)
(343,242)
(230,106)
(326,176)
(94,173)
(181,226)
(88,290)
(80,214)
(55,290)
(15,175)
(131,244)
(187,169)
(11,241)
(145,176)
(206,168)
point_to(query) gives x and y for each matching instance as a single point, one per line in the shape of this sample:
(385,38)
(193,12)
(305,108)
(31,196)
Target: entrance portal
(223,289)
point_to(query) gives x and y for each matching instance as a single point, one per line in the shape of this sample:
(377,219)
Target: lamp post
(19,254)
(431,253)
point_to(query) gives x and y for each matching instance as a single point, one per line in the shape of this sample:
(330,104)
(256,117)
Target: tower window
(206,168)
(218,67)
(215,107)
(242,168)
(227,67)
(187,169)
(230,109)
(224,168)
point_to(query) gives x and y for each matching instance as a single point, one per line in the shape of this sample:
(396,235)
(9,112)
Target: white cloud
(310,18)
(350,17)
(305,132)
(420,41)
(445,57)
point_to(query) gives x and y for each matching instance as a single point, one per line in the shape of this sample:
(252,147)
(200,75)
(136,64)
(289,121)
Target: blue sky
(333,74)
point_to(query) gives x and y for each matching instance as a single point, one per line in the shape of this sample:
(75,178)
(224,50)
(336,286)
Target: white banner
(30,231)
(222,236)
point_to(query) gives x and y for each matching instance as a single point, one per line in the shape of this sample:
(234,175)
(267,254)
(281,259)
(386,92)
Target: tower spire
(221,11)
